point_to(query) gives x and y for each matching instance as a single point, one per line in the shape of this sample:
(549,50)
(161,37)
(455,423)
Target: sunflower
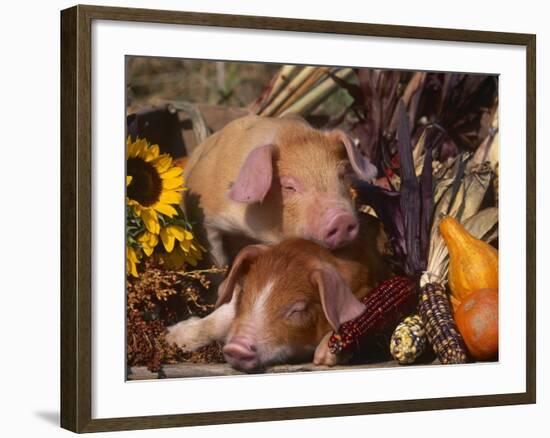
(180,246)
(153,184)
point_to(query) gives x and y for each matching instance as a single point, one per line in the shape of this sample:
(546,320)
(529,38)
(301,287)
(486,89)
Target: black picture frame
(76,176)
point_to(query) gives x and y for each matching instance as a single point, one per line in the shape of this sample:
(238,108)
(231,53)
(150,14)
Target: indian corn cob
(408,340)
(385,306)
(434,308)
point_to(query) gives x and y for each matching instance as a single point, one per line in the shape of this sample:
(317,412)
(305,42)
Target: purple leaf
(410,194)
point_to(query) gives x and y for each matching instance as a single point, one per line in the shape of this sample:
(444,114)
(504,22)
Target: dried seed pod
(434,308)
(385,306)
(408,340)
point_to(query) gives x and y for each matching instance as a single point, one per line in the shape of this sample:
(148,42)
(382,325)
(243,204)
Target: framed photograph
(268,219)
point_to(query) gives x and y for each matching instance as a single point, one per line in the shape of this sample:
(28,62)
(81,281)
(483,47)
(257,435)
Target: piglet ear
(362,166)
(337,299)
(255,175)
(239,267)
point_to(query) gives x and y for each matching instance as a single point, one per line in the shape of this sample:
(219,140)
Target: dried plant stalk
(317,95)
(317,76)
(282,78)
(288,90)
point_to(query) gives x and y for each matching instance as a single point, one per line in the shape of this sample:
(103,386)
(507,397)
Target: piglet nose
(341,229)
(240,353)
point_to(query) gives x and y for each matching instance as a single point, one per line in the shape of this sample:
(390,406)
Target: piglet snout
(240,352)
(340,228)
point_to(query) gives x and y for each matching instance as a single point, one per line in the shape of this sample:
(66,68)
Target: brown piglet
(279,304)
(263,180)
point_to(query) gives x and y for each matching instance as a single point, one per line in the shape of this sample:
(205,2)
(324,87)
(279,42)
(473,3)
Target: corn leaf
(410,195)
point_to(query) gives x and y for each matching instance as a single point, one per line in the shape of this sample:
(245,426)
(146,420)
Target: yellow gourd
(473,264)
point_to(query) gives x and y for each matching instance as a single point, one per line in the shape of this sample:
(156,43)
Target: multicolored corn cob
(434,308)
(408,340)
(385,306)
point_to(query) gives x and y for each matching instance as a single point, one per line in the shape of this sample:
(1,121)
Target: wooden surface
(224,369)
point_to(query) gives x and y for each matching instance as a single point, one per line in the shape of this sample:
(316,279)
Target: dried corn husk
(283,77)
(288,90)
(314,79)
(317,95)
(488,150)
(418,153)
(468,197)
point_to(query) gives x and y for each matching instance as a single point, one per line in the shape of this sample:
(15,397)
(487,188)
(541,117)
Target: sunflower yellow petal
(150,219)
(168,239)
(176,231)
(136,148)
(130,147)
(131,254)
(135,205)
(142,148)
(162,163)
(172,173)
(148,239)
(131,260)
(151,153)
(170,197)
(133,270)
(148,250)
(173,183)
(165,209)
(129,179)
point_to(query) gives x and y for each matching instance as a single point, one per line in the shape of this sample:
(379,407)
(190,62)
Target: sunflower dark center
(146,184)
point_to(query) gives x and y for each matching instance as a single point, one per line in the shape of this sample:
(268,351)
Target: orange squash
(477,321)
(473,264)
